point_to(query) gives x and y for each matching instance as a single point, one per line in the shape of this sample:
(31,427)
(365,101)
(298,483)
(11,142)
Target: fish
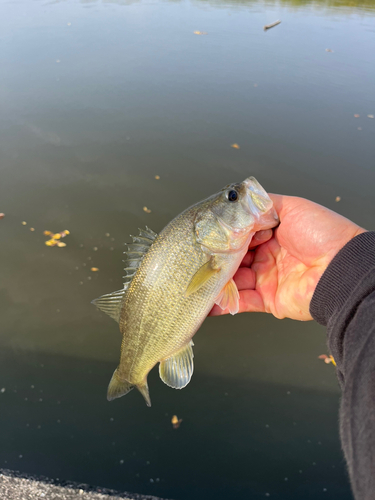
(174,278)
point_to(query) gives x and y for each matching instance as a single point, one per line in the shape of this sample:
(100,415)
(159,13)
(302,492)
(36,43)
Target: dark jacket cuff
(348,269)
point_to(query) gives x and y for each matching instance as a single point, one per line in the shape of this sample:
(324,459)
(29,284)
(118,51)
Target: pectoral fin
(201,277)
(176,371)
(229,297)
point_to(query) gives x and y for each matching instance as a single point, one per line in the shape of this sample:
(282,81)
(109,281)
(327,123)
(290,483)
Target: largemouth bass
(173,280)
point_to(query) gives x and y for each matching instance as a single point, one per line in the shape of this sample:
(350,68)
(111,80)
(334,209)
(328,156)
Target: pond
(98,98)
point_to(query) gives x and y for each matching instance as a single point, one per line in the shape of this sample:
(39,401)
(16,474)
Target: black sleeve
(344,301)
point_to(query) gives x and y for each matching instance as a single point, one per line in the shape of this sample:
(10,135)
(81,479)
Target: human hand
(281,275)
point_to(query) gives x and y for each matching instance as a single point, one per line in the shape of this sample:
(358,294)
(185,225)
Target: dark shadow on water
(237,438)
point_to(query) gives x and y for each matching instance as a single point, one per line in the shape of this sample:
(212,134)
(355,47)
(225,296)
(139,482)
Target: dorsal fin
(136,251)
(176,371)
(111,303)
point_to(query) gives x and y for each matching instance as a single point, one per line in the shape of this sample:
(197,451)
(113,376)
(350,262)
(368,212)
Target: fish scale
(176,282)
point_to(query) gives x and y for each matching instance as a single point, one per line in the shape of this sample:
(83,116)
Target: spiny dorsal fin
(176,371)
(136,251)
(111,303)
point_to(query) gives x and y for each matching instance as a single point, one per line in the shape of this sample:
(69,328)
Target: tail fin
(118,387)
(143,389)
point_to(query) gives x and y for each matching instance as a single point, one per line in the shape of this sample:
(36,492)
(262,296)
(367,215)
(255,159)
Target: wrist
(344,272)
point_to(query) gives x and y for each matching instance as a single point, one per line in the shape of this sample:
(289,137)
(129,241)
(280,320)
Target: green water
(99,97)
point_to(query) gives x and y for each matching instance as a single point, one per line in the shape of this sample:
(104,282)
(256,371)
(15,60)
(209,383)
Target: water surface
(99,97)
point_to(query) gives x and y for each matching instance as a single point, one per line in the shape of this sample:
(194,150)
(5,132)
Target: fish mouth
(256,202)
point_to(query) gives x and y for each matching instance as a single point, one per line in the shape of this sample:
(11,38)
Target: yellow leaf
(56,236)
(147,210)
(60,244)
(24,223)
(94,269)
(235,146)
(47,233)
(51,243)
(176,422)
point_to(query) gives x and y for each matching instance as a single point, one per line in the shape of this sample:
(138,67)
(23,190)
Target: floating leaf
(94,269)
(147,210)
(338,198)
(370,116)
(51,243)
(176,422)
(157,177)
(56,237)
(328,359)
(356,116)
(200,33)
(24,223)
(2,216)
(32,229)
(235,146)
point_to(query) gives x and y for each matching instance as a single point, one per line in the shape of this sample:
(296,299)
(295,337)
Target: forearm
(344,301)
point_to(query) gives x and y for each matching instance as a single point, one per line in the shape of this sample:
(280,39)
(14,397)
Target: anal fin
(229,297)
(176,371)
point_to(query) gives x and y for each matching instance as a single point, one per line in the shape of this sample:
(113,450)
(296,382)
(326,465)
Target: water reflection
(338,5)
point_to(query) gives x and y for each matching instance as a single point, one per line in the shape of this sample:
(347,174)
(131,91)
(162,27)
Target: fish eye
(232,195)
